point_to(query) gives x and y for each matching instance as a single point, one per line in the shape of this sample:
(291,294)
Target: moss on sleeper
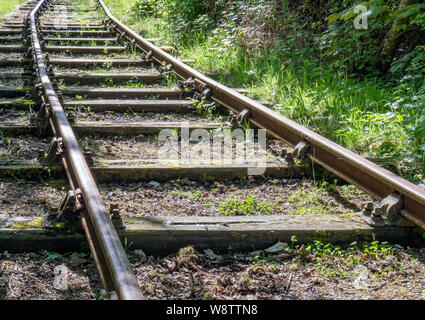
(36,223)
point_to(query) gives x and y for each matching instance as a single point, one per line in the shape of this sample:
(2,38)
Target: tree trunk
(392,40)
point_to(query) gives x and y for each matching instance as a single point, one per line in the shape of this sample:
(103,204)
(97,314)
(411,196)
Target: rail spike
(386,213)
(54,151)
(41,120)
(238,120)
(67,217)
(189,83)
(299,152)
(116,218)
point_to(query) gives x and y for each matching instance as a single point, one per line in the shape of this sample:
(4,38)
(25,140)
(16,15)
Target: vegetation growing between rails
(335,261)
(365,267)
(249,205)
(307,58)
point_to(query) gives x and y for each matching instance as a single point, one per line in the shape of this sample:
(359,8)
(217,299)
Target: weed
(186,254)
(307,202)
(51,255)
(263,258)
(249,205)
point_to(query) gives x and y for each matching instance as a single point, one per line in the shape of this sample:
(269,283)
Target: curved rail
(109,255)
(351,167)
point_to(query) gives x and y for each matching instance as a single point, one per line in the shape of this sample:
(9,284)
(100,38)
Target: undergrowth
(310,63)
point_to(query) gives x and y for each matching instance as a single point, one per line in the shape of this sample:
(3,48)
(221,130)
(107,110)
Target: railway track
(108,107)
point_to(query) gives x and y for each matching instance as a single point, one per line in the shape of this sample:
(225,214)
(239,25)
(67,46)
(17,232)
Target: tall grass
(351,112)
(122,9)
(8,5)
(120,6)
(356,113)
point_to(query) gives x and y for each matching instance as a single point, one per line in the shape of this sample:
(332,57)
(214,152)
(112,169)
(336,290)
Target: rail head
(346,164)
(101,234)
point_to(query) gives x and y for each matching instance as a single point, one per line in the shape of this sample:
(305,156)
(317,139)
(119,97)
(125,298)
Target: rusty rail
(373,179)
(110,258)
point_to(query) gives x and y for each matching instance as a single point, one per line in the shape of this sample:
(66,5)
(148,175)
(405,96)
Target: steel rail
(110,258)
(351,167)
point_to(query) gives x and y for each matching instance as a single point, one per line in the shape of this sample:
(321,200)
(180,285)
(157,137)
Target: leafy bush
(389,22)
(145,8)
(182,18)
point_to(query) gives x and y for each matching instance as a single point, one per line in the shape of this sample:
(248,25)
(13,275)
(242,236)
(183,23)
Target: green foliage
(307,202)
(359,49)
(51,255)
(7,6)
(357,251)
(182,18)
(249,205)
(145,8)
(324,254)
(205,108)
(320,249)
(263,258)
(307,59)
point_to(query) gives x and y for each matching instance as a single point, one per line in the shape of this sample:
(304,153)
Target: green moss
(60,225)
(36,223)
(30,173)
(238,235)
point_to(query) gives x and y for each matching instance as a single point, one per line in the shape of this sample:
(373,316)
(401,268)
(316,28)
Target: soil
(12,83)
(145,117)
(149,147)
(12,115)
(105,69)
(188,198)
(22,147)
(112,55)
(11,70)
(29,198)
(399,275)
(9,55)
(31,276)
(119,85)
(190,275)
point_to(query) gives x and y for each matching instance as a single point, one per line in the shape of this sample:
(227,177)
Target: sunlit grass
(360,114)
(7,6)
(119,6)
(351,112)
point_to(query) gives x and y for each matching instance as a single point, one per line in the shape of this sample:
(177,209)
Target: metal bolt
(114,211)
(368,208)
(89,157)
(116,217)
(289,157)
